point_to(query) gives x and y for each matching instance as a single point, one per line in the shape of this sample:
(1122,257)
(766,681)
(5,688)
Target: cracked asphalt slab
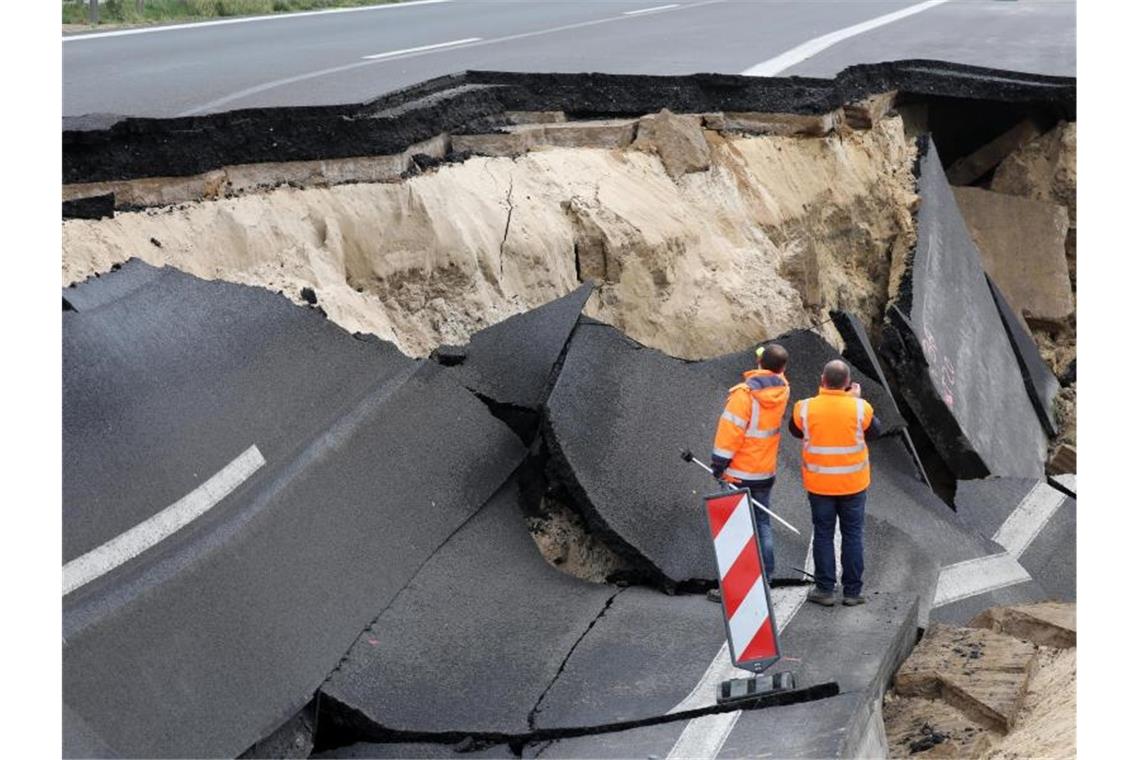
(938,341)
(247,609)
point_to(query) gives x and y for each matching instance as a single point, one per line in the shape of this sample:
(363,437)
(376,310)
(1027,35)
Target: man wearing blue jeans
(835,426)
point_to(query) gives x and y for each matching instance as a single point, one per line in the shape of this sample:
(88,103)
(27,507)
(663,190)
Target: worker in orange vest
(748,437)
(835,427)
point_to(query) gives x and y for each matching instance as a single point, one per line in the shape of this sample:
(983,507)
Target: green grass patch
(161,11)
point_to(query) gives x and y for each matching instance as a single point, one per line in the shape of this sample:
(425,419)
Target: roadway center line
(347,67)
(1028,519)
(125,546)
(650,10)
(436,46)
(245,20)
(789,58)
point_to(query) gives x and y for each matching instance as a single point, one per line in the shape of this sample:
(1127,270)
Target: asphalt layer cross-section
(321,59)
(225,628)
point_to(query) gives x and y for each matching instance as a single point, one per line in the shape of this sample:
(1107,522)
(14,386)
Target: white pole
(691,458)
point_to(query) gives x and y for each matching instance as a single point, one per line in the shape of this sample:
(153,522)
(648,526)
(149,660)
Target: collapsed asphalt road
(265,514)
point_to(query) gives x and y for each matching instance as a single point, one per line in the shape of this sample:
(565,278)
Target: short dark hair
(836,374)
(774,358)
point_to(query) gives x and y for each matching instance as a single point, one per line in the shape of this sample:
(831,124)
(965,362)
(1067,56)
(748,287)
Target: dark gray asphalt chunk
(225,629)
(1040,382)
(401,750)
(167,378)
(964,386)
(476,637)
(857,350)
(1036,521)
(511,362)
(640,660)
(839,727)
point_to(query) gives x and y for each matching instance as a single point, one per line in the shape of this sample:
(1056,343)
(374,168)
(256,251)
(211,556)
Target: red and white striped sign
(744,592)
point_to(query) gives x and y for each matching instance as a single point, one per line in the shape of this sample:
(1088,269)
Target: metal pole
(688,457)
(93,11)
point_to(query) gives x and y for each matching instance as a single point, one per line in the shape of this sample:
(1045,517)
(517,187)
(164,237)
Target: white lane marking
(704,736)
(103,559)
(1027,520)
(436,46)
(977,576)
(790,58)
(1068,480)
(348,67)
(650,10)
(244,20)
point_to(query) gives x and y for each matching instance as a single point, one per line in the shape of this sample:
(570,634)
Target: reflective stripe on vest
(738,421)
(745,475)
(860,443)
(844,470)
(723,453)
(754,430)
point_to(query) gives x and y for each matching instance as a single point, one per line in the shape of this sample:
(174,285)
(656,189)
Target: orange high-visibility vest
(748,432)
(835,456)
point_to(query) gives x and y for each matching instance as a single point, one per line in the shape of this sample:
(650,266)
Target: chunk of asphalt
(511,362)
(404,750)
(1040,382)
(964,386)
(114,285)
(1033,521)
(499,621)
(91,207)
(223,630)
(648,652)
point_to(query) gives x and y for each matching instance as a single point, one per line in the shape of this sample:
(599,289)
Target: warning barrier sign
(752,638)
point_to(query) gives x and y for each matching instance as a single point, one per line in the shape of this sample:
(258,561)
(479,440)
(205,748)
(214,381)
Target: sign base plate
(743,689)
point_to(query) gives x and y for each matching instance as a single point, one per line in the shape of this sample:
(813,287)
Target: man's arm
(730,431)
(793,427)
(874,430)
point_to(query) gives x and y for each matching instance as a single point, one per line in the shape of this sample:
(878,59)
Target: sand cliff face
(772,234)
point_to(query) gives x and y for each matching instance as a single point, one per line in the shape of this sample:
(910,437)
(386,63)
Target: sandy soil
(561,536)
(1047,726)
(777,231)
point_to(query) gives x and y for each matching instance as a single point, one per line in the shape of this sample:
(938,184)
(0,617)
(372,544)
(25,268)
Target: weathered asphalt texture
(1051,555)
(106,147)
(964,386)
(511,364)
(475,639)
(224,630)
(1040,382)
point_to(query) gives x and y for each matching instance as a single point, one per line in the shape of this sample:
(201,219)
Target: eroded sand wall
(774,233)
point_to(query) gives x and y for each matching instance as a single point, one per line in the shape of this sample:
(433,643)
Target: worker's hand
(718,471)
(855,390)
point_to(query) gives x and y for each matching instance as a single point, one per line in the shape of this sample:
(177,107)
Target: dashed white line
(245,20)
(436,46)
(650,10)
(240,94)
(977,576)
(125,546)
(1027,520)
(790,58)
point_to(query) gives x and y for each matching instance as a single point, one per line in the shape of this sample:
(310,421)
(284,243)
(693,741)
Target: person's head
(836,375)
(772,357)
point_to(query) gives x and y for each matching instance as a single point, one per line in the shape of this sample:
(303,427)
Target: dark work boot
(852,601)
(826,598)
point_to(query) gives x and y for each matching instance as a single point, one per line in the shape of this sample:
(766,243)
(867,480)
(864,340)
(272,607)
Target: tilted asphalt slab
(1040,382)
(964,386)
(512,362)
(475,639)
(1033,521)
(222,630)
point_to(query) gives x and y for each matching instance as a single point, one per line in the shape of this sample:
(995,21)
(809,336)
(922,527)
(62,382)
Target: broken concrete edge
(901,346)
(1040,384)
(105,148)
(88,206)
(343,725)
(1031,623)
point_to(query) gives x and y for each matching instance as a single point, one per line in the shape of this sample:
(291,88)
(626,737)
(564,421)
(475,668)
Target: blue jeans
(849,510)
(762,492)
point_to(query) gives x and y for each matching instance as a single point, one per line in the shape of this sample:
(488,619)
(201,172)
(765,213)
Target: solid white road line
(347,67)
(1027,520)
(790,58)
(436,46)
(1068,480)
(245,20)
(103,559)
(977,576)
(650,10)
